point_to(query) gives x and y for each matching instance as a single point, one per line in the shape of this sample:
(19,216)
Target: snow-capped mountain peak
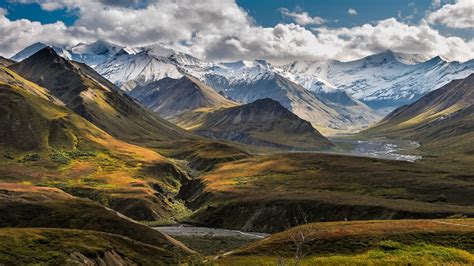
(32,49)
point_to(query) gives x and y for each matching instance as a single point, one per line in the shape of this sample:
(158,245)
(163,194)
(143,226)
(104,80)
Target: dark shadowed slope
(264,122)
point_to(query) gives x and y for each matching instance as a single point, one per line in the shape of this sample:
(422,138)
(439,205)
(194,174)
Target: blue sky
(266,12)
(35,13)
(279,30)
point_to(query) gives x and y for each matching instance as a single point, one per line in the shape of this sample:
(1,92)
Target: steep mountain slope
(383,81)
(31,118)
(94,53)
(140,66)
(172,97)
(95,98)
(6,62)
(442,120)
(345,105)
(264,122)
(37,130)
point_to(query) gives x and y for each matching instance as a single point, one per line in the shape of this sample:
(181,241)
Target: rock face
(170,97)
(264,122)
(95,98)
(443,119)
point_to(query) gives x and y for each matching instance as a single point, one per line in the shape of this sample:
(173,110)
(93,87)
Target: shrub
(31,157)
(80,154)
(60,158)
(457,216)
(8,155)
(389,245)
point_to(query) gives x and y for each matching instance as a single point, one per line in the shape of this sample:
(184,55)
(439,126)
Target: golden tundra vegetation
(81,163)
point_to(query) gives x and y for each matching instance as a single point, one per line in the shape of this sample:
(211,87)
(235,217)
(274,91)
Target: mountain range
(397,70)
(334,96)
(383,81)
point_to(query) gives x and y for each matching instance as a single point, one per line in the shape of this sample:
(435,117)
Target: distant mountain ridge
(172,97)
(383,81)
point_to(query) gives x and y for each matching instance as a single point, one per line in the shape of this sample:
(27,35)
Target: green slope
(46,246)
(42,142)
(404,242)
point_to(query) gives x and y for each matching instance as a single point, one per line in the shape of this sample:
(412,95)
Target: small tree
(300,237)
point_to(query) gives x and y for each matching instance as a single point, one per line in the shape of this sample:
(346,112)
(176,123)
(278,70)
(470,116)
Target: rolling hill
(44,225)
(263,122)
(362,243)
(297,188)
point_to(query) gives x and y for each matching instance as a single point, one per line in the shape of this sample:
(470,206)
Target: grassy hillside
(44,143)
(418,242)
(28,246)
(26,206)
(303,187)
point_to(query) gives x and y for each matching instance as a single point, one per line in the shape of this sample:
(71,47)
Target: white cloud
(391,34)
(221,30)
(459,15)
(352,12)
(302,18)
(436,3)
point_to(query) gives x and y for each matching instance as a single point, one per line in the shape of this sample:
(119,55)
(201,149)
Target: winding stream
(383,149)
(186,230)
